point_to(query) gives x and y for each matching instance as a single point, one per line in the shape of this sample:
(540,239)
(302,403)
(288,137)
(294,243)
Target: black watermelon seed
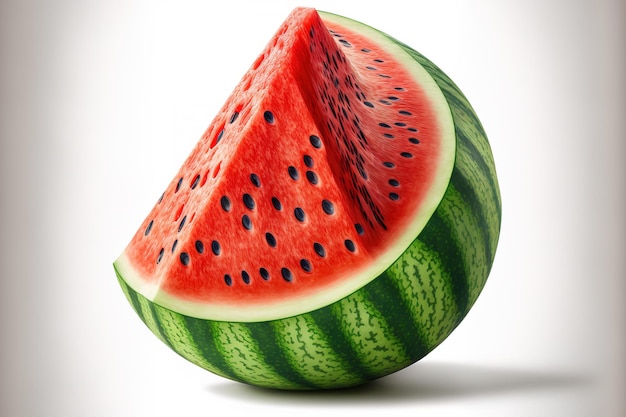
(399,88)
(276,203)
(385,125)
(400,124)
(388,135)
(161,198)
(228,280)
(366,50)
(414,140)
(225,202)
(384,76)
(160,255)
(264,274)
(182,223)
(393,98)
(319,249)
(385,102)
(406,154)
(271,240)
(362,172)
(180,182)
(246,222)
(411,129)
(184,258)
(148,228)
(248,201)
(369,67)
(394,182)
(195,182)
(328,207)
(349,245)
(219,136)
(293,172)
(312,177)
(268,116)
(174,245)
(234,117)
(394,196)
(359,228)
(368,104)
(308,161)
(254,179)
(286,273)
(404,112)
(299,213)
(216,247)
(389,164)
(378,60)
(315,141)
(199,246)
(305,265)
(345,43)
(245,277)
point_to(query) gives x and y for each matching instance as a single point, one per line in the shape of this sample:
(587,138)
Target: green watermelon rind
(388,324)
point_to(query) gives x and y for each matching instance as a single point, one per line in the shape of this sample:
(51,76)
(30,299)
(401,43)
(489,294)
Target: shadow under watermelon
(423,382)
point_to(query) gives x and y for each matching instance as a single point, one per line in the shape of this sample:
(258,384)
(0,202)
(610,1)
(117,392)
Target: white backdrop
(102,100)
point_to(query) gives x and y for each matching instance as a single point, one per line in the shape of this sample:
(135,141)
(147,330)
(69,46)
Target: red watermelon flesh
(319,170)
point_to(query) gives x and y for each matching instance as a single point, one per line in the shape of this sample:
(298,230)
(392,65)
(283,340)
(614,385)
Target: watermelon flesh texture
(295,200)
(335,222)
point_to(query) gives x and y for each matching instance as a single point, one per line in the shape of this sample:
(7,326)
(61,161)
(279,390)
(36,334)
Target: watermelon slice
(334,223)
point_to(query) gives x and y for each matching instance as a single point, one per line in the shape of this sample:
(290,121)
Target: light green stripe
(427,291)
(243,356)
(309,352)
(147,315)
(466,231)
(380,351)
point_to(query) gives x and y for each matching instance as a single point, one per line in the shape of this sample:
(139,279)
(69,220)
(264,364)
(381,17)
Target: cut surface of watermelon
(320,170)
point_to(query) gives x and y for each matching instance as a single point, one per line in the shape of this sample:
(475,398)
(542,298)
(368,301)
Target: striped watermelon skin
(390,323)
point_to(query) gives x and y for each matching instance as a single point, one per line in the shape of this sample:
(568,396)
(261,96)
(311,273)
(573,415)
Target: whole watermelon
(335,222)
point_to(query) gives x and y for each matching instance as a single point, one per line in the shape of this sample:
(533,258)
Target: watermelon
(334,223)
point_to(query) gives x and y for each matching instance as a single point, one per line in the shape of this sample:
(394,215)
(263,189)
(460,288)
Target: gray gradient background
(101,101)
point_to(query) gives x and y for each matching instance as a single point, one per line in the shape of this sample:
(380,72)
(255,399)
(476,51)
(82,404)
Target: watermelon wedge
(335,222)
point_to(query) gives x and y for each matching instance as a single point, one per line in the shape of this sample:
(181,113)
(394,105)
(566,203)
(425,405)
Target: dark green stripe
(330,325)
(264,335)
(473,153)
(437,236)
(155,317)
(204,339)
(384,293)
(135,303)
(134,296)
(130,294)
